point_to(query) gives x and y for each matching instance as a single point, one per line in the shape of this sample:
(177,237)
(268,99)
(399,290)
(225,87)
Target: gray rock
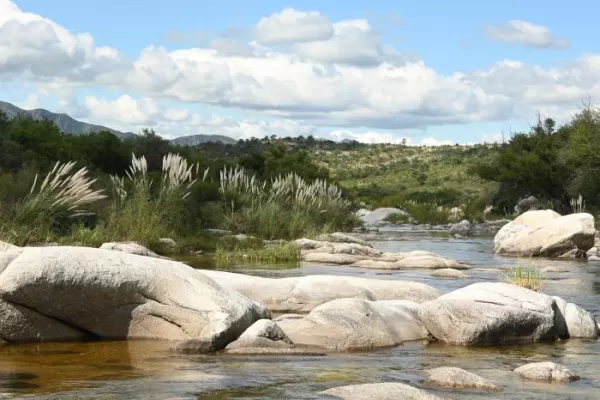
(328,258)
(449,273)
(356,324)
(114,295)
(130,248)
(263,333)
(339,237)
(572,321)
(167,242)
(490,313)
(545,233)
(464,228)
(546,371)
(526,204)
(456,378)
(379,215)
(381,391)
(302,294)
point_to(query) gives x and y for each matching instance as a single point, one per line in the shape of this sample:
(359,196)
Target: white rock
(380,391)
(456,378)
(130,248)
(546,371)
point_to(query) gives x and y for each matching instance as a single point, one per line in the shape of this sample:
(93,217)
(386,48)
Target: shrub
(251,249)
(528,277)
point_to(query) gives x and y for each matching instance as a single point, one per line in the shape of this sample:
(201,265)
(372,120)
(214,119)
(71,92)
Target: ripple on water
(148,370)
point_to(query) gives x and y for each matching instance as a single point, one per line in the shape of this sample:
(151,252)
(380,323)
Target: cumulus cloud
(292,26)
(124,110)
(526,33)
(342,76)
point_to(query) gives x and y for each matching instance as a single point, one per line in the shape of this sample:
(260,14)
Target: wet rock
(302,294)
(456,378)
(130,248)
(263,333)
(449,273)
(114,295)
(500,313)
(545,233)
(381,391)
(356,324)
(464,228)
(554,269)
(546,371)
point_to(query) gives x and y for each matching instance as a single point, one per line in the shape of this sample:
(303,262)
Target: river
(148,370)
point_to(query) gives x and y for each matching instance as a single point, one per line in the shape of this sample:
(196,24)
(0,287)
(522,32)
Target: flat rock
(356,324)
(545,233)
(379,215)
(302,294)
(339,237)
(546,371)
(381,391)
(449,273)
(328,258)
(114,295)
(456,378)
(410,260)
(130,248)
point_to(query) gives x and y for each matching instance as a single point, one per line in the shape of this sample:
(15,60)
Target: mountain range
(70,125)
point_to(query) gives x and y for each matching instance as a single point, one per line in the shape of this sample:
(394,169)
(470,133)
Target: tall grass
(285,207)
(528,277)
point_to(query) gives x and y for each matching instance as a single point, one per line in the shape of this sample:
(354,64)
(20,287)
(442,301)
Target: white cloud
(292,26)
(347,78)
(431,141)
(526,33)
(124,110)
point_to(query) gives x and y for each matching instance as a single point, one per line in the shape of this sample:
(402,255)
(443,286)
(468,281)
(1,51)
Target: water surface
(148,370)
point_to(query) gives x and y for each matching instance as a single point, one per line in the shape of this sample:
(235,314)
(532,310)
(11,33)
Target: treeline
(554,164)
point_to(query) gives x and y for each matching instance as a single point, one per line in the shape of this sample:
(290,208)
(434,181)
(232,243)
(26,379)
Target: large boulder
(499,313)
(380,391)
(356,324)
(546,371)
(527,204)
(545,233)
(463,228)
(66,293)
(302,294)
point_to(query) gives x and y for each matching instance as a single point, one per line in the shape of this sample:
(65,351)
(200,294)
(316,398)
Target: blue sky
(449,79)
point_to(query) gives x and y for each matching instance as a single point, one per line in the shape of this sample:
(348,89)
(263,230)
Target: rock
(545,233)
(6,246)
(130,248)
(546,371)
(339,237)
(104,294)
(218,232)
(303,293)
(526,204)
(456,378)
(167,242)
(380,391)
(449,273)
(379,215)
(410,260)
(464,228)
(328,258)
(356,324)
(554,269)
(263,333)
(489,313)
(500,313)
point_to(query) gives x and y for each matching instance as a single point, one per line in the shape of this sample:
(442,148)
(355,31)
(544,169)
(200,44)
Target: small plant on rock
(528,277)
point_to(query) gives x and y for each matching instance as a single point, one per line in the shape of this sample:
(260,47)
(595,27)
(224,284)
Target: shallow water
(148,370)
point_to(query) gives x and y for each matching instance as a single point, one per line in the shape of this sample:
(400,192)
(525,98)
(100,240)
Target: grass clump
(249,249)
(528,277)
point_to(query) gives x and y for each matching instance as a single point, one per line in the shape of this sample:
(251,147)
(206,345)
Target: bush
(250,249)
(528,277)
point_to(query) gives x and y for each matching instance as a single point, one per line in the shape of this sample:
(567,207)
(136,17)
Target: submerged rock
(449,273)
(546,371)
(545,233)
(64,293)
(356,324)
(381,391)
(456,378)
(500,313)
(302,294)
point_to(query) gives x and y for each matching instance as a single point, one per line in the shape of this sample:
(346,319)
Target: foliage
(250,249)
(528,277)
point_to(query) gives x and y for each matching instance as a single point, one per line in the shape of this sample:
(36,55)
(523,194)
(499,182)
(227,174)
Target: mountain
(69,125)
(63,121)
(195,140)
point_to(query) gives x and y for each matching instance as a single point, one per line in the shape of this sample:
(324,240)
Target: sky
(433,72)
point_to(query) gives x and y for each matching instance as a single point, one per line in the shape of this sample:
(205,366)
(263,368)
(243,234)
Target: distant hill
(195,140)
(63,121)
(69,125)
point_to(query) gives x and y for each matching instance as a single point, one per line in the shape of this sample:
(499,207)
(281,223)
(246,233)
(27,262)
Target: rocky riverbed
(323,329)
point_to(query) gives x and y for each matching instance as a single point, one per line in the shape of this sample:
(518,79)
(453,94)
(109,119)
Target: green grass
(528,277)
(230,249)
